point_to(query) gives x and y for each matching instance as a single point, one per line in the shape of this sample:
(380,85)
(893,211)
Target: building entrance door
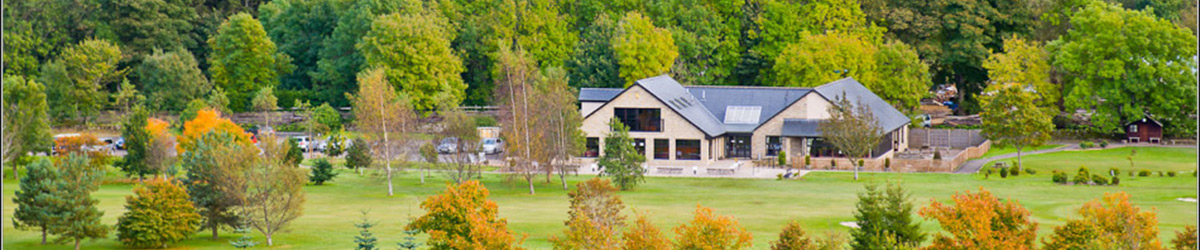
(738,146)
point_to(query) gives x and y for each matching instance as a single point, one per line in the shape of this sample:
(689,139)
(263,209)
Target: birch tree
(461,167)
(853,129)
(513,84)
(274,195)
(563,136)
(383,116)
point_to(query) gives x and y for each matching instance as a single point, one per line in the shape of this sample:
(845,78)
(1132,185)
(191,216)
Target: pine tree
(37,197)
(620,160)
(158,215)
(137,144)
(358,156)
(365,240)
(294,154)
(410,240)
(883,214)
(322,171)
(79,218)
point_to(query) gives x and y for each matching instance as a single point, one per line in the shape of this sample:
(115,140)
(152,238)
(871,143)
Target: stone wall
(945,165)
(944,138)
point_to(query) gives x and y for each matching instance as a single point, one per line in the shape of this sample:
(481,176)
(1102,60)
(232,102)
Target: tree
(215,162)
(339,62)
(1137,64)
(327,118)
(903,78)
(141,26)
(1010,117)
(358,156)
(1028,64)
(137,144)
(126,97)
(793,237)
(707,36)
(364,240)
(563,139)
(244,60)
(644,236)
(1076,234)
(708,231)
(26,124)
(594,64)
(414,52)
(382,115)
(78,78)
(642,50)
(1117,224)
(462,217)
(218,100)
(37,200)
(517,78)
(620,160)
(301,29)
(322,171)
(82,144)
(161,156)
(461,167)
(274,191)
(292,154)
(884,219)
(160,214)
(1185,239)
(595,217)
(77,217)
(207,121)
(980,220)
(265,102)
(891,70)
(852,128)
(772,26)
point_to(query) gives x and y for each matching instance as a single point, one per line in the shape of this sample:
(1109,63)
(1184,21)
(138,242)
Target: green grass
(819,202)
(1001,150)
(1149,158)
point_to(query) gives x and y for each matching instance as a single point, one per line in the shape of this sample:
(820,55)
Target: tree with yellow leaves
(711,232)
(462,217)
(209,120)
(981,221)
(595,217)
(644,236)
(1113,223)
(160,214)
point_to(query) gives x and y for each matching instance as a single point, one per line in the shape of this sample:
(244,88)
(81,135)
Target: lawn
(819,202)
(1002,150)
(1148,158)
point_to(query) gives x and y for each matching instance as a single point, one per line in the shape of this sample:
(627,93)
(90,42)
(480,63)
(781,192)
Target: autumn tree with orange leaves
(462,217)
(708,231)
(595,217)
(644,236)
(981,221)
(208,120)
(1113,223)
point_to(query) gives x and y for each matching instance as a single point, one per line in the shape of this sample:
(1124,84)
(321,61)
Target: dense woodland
(1123,59)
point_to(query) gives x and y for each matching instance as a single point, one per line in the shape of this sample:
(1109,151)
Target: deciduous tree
(642,49)
(76,80)
(274,191)
(980,220)
(793,237)
(517,79)
(644,236)
(594,64)
(414,52)
(265,102)
(384,117)
(244,60)
(595,217)
(1028,64)
(301,30)
(1011,117)
(852,128)
(708,231)
(462,217)
(158,215)
(461,166)
(141,26)
(206,121)
(620,160)
(339,61)
(1185,239)
(1120,225)
(563,138)
(26,123)
(215,162)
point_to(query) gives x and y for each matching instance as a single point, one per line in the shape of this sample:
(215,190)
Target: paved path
(973,166)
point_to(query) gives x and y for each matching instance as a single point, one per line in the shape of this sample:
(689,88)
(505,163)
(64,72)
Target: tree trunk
(77,240)
(1019,165)
(214,231)
(530,180)
(269,241)
(16,176)
(389,176)
(44,232)
(854,164)
(562,176)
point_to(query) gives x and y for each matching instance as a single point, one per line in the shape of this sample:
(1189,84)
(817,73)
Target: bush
(782,159)
(887,163)
(322,171)
(1030,171)
(1160,174)
(779,176)
(1193,173)
(1103,144)
(1003,172)
(326,116)
(1059,177)
(860,163)
(358,156)
(1085,145)
(987,174)
(1081,179)
(937,155)
(832,164)
(158,215)
(1144,173)
(807,161)
(1114,172)
(1014,171)
(1171,173)
(1083,171)
(1099,180)
(1116,180)
(485,121)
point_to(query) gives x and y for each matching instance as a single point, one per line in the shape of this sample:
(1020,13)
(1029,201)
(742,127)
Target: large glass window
(662,149)
(774,145)
(687,149)
(593,147)
(640,145)
(640,119)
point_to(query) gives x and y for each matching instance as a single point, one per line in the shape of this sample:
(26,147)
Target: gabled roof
(801,127)
(887,116)
(706,107)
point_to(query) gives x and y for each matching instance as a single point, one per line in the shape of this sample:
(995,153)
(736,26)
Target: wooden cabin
(1144,130)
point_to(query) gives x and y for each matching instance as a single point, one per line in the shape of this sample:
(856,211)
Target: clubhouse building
(673,124)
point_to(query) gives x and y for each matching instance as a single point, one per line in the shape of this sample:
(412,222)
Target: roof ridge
(747,87)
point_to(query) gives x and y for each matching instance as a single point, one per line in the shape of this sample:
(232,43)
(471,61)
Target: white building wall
(675,127)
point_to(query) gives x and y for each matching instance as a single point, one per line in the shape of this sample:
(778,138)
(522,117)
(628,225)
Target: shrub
(1059,177)
(779,176)
(1114,172)
(1116,180)
(1081,178)
(328,117)
(987,174)
(937,155)
(860,162)
(1171,173)
(782,159)
(1014,171)
(1099,180)
(1103,144)
(1083,171)
(358,156)
(1085,145)
(832,164)
(1003,172)
(887,163)
(1193,173)
(1160,174)
(1144,173)
(1030,171)
(322,171)
(807,161)
(160,214)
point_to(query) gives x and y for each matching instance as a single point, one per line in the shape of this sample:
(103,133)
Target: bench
(670,170)
(720,171)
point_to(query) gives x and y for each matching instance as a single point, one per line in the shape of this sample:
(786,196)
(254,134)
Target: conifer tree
(37,197)
(78,218)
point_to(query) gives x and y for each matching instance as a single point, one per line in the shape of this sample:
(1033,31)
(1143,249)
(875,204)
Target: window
(593,147)
(640,119)
(662,149)
(640,146)
(774,145)
(687,149)
(1133,128)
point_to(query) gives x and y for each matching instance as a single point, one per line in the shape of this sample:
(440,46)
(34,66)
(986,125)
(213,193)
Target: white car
(303,142)
(448,145)
(492,145)
(345,142)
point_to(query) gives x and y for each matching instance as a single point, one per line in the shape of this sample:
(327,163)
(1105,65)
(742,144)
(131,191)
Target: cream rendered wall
(586,108)
(811,106)
(674,126)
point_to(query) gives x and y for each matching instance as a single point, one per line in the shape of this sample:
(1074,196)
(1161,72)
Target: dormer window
(640,120)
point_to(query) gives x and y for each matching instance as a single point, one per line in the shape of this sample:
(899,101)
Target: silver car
(492,145)
(448,145)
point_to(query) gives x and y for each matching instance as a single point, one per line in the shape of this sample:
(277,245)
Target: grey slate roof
(801,127)
(679,99)
(715,100)
(598,94)
(887,116)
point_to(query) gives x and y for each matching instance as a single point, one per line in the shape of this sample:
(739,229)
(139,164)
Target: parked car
(120,143)
(492,145)
(324,144)
(303,142)
(448,145)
